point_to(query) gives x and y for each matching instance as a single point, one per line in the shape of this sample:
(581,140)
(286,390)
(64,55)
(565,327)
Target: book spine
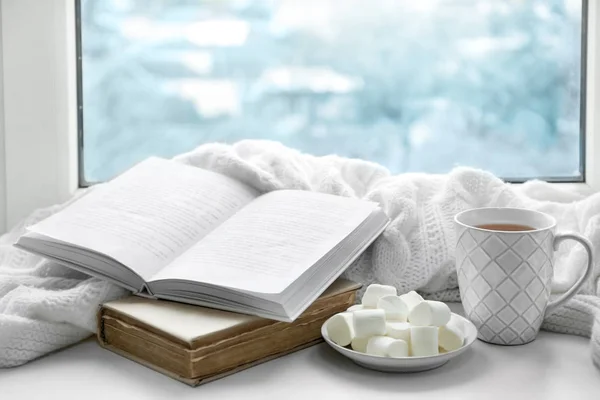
(146,292)
(100,326)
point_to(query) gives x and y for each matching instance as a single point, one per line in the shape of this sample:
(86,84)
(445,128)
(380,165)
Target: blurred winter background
(414,85)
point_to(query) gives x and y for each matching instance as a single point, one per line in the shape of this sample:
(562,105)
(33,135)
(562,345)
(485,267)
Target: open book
(176,232)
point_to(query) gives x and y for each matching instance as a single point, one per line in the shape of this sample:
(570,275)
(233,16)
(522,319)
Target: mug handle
(559,238)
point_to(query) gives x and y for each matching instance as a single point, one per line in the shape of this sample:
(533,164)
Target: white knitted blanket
(44,307)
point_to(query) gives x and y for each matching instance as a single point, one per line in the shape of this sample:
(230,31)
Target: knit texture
(44,306)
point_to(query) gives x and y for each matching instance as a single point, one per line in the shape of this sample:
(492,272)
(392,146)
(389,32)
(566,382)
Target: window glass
(414,85)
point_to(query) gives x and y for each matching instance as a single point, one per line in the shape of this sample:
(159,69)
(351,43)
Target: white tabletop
(552,367)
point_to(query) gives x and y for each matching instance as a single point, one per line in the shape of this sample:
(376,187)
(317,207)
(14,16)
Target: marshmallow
(395,309)
(356,307)
(397,349)
(378,345)
(398,330)
(340,329)
(374,292)
(368,323)
(411,299)
(429,313)
(458,322)
(451,336)
(424,341)
(360,344)
(440,313)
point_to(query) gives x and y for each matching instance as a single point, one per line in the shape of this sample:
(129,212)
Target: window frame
(43,83)
(3,198)
(38,71)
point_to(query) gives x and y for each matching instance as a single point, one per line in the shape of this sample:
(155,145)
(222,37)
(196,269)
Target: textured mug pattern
(505,281)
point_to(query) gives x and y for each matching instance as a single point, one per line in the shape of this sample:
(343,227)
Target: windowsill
(551,367)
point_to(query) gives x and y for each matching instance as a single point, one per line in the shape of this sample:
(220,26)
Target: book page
(150,214)
(271,242)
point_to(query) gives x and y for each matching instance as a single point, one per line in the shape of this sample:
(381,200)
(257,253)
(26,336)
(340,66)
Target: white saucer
(408,364)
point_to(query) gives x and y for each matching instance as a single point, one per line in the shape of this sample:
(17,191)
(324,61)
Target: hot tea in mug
(505,267)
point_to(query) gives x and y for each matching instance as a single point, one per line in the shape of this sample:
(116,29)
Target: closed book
(197,345)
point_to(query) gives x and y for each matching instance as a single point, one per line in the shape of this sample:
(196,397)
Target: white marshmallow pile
(389,325)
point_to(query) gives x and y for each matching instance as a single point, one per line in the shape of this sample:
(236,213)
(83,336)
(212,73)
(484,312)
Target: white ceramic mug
(505,277)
